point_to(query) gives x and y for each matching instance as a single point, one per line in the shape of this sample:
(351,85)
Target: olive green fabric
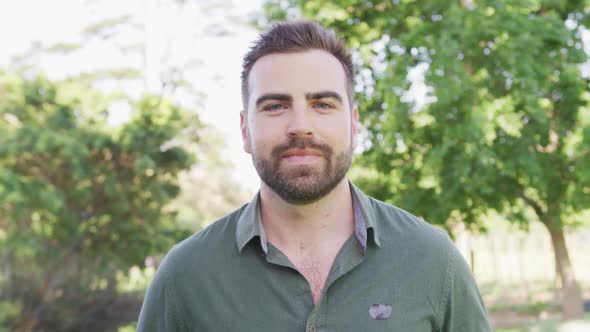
(398,274)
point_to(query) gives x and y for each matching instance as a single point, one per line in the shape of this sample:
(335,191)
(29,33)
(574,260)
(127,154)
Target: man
(310,252)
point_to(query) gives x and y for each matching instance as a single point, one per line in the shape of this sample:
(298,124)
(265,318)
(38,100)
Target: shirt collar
(366,212)
(249,224)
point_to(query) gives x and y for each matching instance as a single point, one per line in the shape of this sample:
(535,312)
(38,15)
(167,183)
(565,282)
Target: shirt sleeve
(158,311)
(463,309)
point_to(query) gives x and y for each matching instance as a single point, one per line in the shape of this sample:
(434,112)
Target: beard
(303,184)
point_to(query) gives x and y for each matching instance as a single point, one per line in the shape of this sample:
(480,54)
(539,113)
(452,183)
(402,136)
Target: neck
(291,226)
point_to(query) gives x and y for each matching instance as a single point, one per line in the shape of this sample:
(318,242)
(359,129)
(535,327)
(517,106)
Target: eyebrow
(324,94)
(273,96)
(308,96)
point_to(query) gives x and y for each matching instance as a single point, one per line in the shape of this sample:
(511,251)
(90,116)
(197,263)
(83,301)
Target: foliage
(137,280)
(105,197)
(505,78)
(204,196)
(8,312)
(503,121)
(80,200)
(128,328)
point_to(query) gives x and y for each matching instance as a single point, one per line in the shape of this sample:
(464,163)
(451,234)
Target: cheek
(263,140)
(338,133)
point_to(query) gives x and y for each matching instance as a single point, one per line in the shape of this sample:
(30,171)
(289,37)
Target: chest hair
(316,272)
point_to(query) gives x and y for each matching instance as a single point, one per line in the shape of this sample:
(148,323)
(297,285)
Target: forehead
(297,74)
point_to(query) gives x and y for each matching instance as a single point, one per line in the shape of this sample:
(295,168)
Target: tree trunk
(572,306)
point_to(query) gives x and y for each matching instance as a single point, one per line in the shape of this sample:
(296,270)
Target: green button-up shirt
(395,273)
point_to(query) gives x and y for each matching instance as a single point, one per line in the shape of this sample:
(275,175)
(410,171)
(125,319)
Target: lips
(301,150)
(302,153)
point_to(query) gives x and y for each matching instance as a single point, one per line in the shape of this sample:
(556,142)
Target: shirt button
(312,328)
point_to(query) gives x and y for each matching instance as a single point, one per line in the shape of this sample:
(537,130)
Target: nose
(299,122)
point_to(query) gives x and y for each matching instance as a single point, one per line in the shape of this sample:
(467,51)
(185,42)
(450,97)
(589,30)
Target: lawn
(555,326)
(534,307)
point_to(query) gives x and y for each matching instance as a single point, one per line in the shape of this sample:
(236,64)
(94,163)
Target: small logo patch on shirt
(380,311)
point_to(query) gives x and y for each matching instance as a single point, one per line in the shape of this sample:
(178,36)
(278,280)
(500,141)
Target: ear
(244,130)
(354,126)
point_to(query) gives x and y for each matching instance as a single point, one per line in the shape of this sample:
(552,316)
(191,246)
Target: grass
(530,309)
(555,326)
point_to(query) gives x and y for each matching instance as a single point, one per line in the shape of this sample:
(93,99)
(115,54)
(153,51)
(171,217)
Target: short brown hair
(297,36)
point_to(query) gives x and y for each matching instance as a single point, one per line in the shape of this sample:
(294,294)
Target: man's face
(299,127)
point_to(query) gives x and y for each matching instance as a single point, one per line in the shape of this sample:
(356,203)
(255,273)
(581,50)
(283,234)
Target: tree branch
(538,209)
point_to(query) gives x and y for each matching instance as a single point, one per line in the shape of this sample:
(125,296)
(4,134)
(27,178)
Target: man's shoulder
(216,239)
(429,253)
(395,224)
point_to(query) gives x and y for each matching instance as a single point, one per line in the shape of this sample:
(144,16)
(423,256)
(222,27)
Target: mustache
(298,142)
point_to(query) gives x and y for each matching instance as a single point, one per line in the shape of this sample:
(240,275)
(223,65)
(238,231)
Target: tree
(506,122)
(144,43)
(148,41)
(80,199)
(207,190)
